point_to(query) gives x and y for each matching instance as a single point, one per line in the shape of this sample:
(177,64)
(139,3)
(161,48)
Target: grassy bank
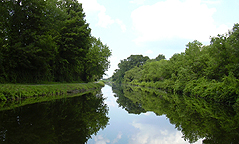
(11,104)
(17,91)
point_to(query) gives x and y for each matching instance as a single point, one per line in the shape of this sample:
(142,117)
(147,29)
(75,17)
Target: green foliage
(160,57)
(47,41)
(97,60)
(203,71)
(127,64)
(13,91)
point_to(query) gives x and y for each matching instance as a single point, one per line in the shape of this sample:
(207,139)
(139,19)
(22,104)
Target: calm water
(123,115)
(144,128)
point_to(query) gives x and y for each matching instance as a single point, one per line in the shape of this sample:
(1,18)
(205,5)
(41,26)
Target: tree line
(48,41)
(208,71)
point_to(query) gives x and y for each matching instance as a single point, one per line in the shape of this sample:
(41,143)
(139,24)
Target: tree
(127,64)
(97,60)
(47,41)
(74,43)
(160,57)
(25,59)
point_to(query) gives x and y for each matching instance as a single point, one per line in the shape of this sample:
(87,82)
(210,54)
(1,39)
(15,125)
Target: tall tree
(74,43)
(97,60)
(25,60)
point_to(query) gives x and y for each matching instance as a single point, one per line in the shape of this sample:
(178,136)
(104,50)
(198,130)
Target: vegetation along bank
(17,91)
(207,71)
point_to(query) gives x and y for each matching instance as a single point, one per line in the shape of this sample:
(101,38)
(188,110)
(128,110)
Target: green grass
(7,105)
(19,91)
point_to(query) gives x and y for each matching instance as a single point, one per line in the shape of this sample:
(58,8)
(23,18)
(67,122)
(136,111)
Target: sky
(153,27)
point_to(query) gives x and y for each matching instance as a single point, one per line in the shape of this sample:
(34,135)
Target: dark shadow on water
(66,121)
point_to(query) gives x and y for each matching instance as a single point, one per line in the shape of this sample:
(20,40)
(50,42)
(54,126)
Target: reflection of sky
(127,128)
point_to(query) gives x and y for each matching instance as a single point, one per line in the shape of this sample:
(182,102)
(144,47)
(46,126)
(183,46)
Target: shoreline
(18,91)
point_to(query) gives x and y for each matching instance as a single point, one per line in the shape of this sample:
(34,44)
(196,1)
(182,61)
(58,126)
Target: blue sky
(153,27)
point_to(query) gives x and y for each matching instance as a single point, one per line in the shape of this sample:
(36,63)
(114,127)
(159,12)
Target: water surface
(130,128)
(119,115)
(66,120)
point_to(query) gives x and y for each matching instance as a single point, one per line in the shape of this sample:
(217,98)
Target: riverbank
(19,91)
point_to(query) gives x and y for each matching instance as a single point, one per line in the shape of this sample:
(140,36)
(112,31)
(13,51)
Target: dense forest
(208,71)
(48,41)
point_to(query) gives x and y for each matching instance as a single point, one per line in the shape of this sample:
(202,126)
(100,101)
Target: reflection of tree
(71,120)
(195,118)
(126,103)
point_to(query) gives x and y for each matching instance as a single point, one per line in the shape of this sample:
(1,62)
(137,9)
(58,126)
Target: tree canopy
(127,64)
(48,41)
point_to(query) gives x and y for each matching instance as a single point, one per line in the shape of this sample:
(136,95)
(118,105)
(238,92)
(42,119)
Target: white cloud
(92,6)
(149,52)
(121,24)
(104,20)
(174,18)
(137,1)
(212,1)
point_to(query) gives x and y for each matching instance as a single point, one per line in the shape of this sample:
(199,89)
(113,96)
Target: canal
(130,128)
(119,115)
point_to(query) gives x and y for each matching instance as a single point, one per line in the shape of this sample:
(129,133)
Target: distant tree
(160,57)
(127,64)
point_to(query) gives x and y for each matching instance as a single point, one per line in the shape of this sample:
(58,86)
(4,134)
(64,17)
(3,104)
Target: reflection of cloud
(164,132)
(147,113)
(111,102)
(117,138)
(151,134)
(174,18)
(100,140)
